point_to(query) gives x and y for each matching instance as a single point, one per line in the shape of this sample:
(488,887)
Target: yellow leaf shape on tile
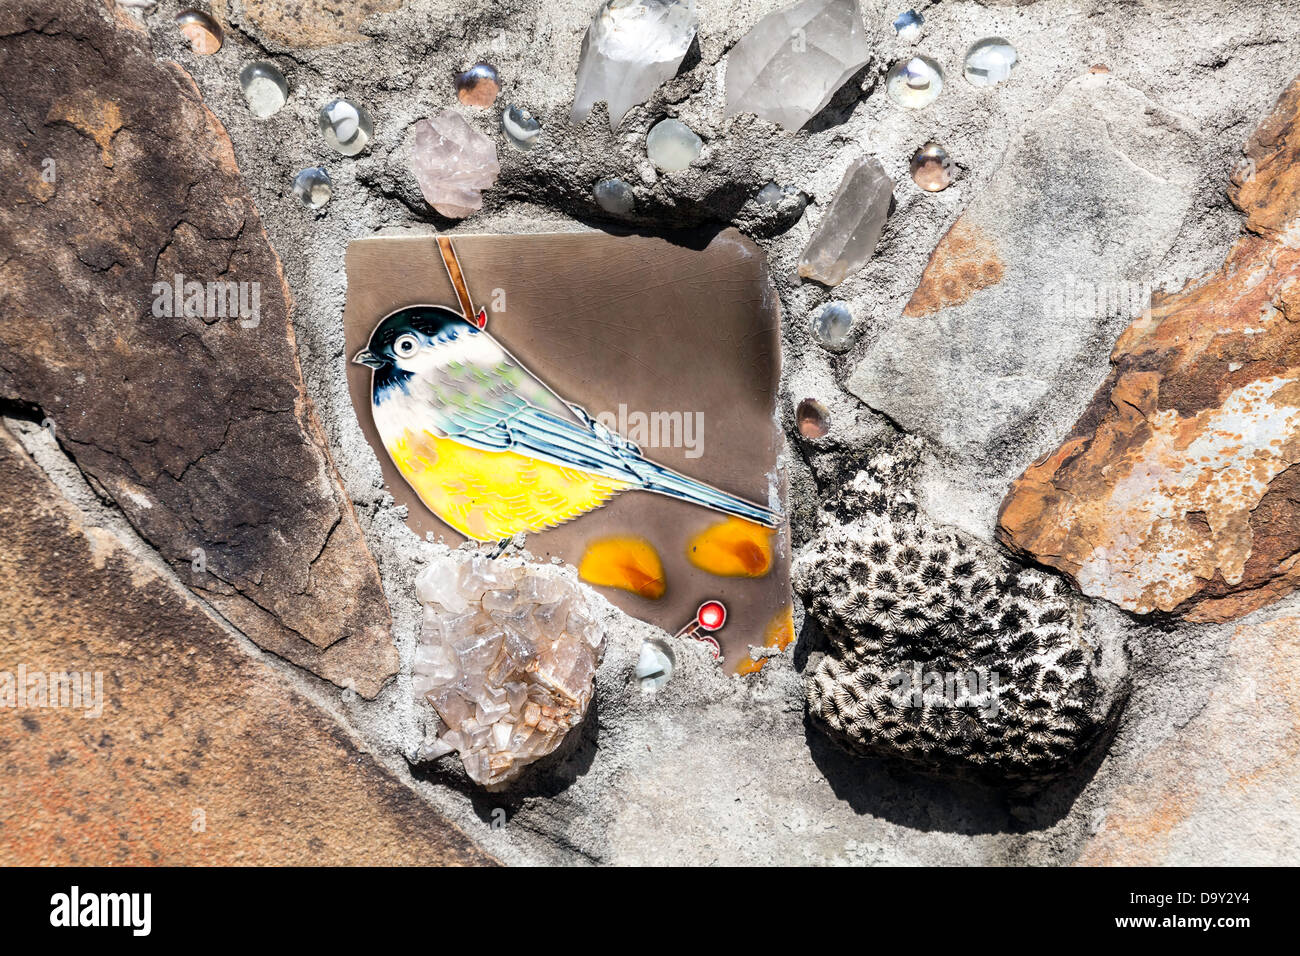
(631,564)
(734,548)
(779,634)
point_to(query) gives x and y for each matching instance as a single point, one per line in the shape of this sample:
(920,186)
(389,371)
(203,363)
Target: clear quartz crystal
(672,146)
(914,82)
(787,68)
(312,187)
(265,88)
(346,126)
(507,659)
(631,47)
(846,236)
(989,62)
(453,163)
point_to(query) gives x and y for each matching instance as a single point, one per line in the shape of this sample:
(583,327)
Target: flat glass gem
(672,146)
(615,196)
(915,82)
(265,88)
(813,418)
(479,85)
(989,62)
(833,325)
(931,167)
(346,126)
(312,187)
(521,127)
(202,32)
(908,26)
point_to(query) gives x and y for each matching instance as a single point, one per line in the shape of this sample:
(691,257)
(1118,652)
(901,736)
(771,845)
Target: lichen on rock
(943,653)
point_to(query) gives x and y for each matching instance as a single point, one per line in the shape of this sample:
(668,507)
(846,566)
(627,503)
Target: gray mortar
(716,769)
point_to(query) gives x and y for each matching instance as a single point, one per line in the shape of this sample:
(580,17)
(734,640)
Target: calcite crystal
(507,658)
(1177,490)
(630,48)
(943,653)
(846,237)
(787,68)
(453,163)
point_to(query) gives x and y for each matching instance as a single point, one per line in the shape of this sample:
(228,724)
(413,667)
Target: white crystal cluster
(630,48)
(507,657)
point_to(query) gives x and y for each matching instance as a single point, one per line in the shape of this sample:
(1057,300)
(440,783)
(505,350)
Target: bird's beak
(368,358)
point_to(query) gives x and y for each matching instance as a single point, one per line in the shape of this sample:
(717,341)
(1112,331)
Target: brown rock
(197,425)
(200,754)
(311,23)
(1177,490)
(965,261)
(1227,771)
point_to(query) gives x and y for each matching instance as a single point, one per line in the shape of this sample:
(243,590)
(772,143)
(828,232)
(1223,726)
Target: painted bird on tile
(488,447)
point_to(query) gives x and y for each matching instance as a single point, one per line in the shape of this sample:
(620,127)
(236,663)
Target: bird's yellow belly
(492,495)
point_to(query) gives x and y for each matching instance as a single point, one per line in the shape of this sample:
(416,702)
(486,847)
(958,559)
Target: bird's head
(415,340)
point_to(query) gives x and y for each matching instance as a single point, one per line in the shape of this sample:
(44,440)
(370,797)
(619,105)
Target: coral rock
(1177,490)
(453,163)
(943,653)
(507,657)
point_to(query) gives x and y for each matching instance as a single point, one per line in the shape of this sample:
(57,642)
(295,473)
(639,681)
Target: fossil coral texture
(507,657)
(901,602)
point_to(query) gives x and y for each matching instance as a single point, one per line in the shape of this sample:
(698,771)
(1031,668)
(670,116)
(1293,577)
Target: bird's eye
(405,346)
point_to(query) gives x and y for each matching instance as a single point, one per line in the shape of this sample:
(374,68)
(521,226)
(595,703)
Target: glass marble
(833,325)
(813,418)
(615,196)
(521,128)
(672,146)
(655,665)
(908,26)
(915,82)
(931,167)
(479,85)
(989,62)
(313,187)
(202,32)
(346,126)
(265,88)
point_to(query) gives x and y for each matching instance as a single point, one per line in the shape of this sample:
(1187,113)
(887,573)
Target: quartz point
(915,82)
(313,187)
(507,658)
(346,126)
(786,69)
(672,145)
(846,237)
(989,62)
(614,195)
(832,326)
(521,128)
(453,163)
(631,47)
(265,88)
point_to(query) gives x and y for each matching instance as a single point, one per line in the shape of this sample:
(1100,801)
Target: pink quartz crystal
(453,163)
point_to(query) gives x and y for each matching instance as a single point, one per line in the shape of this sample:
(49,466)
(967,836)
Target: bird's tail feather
(665,482)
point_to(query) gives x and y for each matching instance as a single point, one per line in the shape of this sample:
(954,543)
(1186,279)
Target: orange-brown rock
(192,751)
(965,261)
(122,272)
(1178,490)
(304,24)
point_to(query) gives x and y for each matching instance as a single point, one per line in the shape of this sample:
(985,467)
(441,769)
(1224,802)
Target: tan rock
(965,261)
(1177,491)
(305,24)
(200,753)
